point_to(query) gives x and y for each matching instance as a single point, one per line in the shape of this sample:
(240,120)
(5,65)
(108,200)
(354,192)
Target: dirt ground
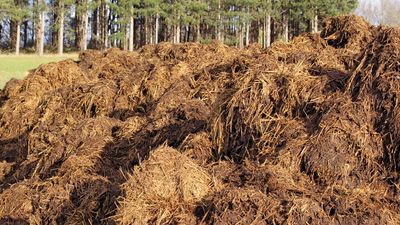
(301,133)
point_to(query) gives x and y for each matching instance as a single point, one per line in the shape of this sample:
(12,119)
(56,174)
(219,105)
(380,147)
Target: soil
(306,132)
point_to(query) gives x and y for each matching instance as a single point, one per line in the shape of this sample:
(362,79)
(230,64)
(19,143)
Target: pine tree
(194,11)
(133,23)
(265,14)
(17,11)
(154,9)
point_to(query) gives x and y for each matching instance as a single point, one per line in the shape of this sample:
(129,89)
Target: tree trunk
(131,27)
(95,28)
(103,25)
(41,34)
(247,33)
(312,25)
(13,33)
(40,29)
(136,33)
(178,31)
(146,35)
(143,30)
(126,38)
(285,28)
(185,34)
(1,31)
(188,31)
(18,38)
(176,34)
(171,33)
(198,34)
(156,29)
(25,34)
(219,26)
(114,31)
(82,24)
(222,39)
(14,23)
(163,30)
(267,31)
(33,34)
(247,25)
(315,23)
(106,28)
(241,31)
(260,28)
(150,27)
(78,24)
(61,29)
(85,30)
(55,19)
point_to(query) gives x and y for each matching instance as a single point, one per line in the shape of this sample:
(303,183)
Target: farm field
(304,132)
(12,66)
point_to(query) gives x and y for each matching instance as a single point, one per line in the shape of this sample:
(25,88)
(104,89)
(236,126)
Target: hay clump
(262,104)
(379,59)
(32,90)
(198,147)
(375,79)
(63,184)
(302,48)
(352,150)
(38,202)
(162,188)
(350,32)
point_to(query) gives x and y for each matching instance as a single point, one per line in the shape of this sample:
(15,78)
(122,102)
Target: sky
(376,13)
(364,9)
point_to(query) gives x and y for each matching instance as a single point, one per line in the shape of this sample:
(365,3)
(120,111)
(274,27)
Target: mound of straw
(305,132)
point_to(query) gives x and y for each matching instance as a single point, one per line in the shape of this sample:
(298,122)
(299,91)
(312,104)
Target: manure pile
(301,133)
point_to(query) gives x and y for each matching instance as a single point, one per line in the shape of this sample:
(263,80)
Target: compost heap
(301,133)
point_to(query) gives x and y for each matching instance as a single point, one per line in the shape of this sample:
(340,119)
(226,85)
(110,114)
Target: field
(305,132)
(12,66)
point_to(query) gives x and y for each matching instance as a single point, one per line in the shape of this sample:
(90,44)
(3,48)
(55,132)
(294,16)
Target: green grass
(12,66)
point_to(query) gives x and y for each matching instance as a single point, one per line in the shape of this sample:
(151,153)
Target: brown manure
(262,105)
(376,80)
(345,150)
(305,132)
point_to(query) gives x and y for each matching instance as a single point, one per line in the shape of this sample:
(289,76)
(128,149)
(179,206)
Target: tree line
(60,25)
